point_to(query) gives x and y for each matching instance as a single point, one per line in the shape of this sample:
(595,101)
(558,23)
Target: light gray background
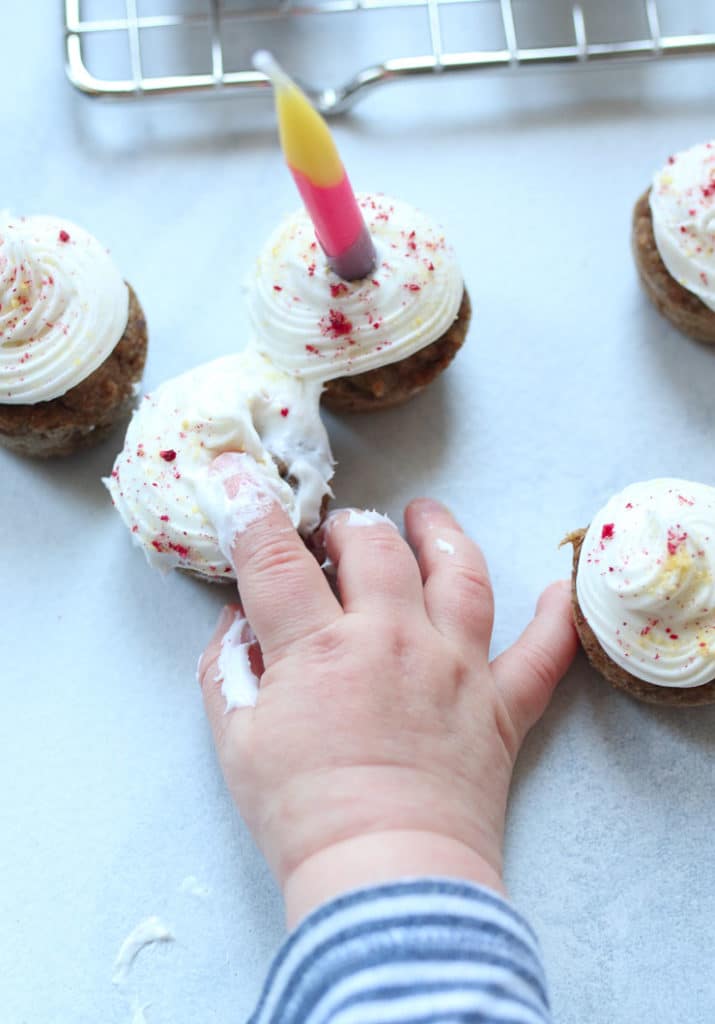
(570,387)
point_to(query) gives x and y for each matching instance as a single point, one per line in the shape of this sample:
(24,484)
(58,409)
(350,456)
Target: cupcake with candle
(73,338)
(644,591)
(674,241)
(162,482)
(364,292)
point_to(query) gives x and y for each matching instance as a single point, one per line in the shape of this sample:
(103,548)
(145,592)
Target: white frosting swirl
(682,203)
(63,307)
(160,482)
(645,581)
(313,324)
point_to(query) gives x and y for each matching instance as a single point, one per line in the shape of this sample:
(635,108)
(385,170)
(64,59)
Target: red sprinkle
(284,412)
(164,519)
(277,288)
(336,324)
(607,531)
(168,455)
(63,236)
(413,287)
(161,544)
(336,290)
(675,539)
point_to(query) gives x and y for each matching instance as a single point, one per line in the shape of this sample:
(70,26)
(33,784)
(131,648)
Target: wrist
(380,857)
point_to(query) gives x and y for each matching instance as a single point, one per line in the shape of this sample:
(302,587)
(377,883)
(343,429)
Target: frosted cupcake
(674,241)
(644,591)
(376,341)
(161,483)
(73,338)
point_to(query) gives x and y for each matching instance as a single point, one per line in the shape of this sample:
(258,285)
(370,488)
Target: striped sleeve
(428,951)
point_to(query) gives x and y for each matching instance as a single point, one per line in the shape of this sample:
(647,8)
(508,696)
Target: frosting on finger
(239,683)
(63,307)
(645,581)
(315,325)
(161,485)
(682,203)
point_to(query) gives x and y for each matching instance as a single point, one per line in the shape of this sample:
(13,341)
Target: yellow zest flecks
(674,568)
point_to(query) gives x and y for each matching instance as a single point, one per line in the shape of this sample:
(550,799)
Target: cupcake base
(395,383)
(684,309)
(87,413)
(673,696)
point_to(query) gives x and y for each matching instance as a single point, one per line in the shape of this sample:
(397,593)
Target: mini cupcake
(73,338)
(376,341)
(161,484)
(674,241)
(644,591)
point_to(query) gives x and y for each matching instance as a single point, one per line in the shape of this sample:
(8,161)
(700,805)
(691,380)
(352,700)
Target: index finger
(283,591)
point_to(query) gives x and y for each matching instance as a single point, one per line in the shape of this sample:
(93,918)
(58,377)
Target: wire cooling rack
(134,48)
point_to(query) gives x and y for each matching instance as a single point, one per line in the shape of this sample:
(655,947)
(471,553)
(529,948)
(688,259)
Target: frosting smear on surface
(63,307)
(315,325)
(645,581)
(682,203)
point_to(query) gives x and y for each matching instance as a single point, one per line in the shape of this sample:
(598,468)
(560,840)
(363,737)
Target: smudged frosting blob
(315,325)
(645,581)
(63,307)
(682,203)
(161,485)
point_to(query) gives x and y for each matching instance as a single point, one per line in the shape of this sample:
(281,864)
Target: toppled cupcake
(376,341)
(644,591)
(73,338)
(161,483)
(674,241)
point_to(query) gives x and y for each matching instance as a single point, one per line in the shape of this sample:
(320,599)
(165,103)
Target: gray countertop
(570,387)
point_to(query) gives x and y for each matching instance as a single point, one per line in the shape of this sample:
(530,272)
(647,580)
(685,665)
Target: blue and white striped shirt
(429,951)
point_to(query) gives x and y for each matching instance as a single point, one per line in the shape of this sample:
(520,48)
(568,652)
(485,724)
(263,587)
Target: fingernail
(427,506)
(358,517)
(228,614)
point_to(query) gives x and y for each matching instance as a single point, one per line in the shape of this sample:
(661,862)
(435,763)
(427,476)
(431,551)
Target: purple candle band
(358,260)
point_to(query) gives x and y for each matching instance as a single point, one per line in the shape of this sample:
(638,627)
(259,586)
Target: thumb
(229,671)
(528,671)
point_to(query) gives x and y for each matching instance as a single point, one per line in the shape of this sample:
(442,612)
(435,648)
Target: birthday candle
(318,171)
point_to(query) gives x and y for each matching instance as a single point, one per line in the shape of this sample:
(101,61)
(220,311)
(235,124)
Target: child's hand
(383,740)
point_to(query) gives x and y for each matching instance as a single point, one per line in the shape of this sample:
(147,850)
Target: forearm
(382,857)
(436,949)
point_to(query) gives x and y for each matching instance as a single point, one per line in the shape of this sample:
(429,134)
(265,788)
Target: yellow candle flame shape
(305,138)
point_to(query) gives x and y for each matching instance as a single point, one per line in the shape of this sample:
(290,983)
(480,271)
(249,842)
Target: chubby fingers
(457,590)
(528,671)
(283,591)
(376,571)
